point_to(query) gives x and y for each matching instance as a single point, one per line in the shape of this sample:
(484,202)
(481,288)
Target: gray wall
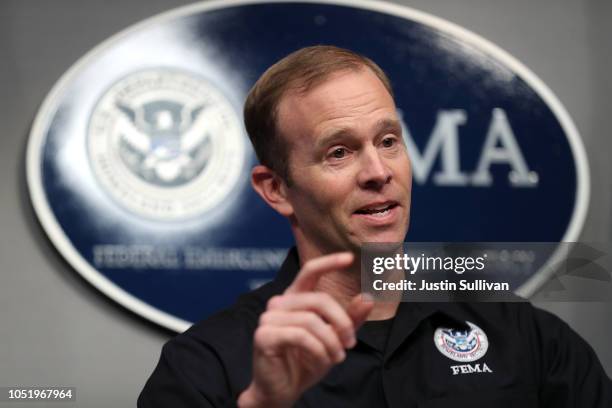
(57,330)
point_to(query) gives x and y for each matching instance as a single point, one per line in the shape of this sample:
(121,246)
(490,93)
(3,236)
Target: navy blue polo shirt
(430,355)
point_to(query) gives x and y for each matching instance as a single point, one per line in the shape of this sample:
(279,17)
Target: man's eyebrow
(333,136)
(382,126)
(388,125)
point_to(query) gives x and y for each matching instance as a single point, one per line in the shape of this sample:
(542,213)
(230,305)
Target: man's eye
(388,142)
(338,153)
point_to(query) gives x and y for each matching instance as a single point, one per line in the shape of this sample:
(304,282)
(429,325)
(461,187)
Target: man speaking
(324,125)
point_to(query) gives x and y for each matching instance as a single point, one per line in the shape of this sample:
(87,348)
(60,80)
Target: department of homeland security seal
(461,345)
(165,144)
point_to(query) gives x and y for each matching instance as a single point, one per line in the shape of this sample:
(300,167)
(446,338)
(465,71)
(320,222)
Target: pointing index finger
(311,272)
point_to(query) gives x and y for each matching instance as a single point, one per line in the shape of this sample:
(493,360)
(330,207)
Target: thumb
(359,308)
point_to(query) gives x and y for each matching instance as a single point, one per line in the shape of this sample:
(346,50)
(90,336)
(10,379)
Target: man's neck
(344,285)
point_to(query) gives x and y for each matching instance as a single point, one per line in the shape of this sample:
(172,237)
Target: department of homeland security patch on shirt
(461,344)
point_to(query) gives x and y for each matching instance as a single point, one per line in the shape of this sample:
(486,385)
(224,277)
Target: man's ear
(272,188)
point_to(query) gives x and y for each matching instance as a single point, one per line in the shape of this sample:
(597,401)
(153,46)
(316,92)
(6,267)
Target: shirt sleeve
(189,374)
(572,376)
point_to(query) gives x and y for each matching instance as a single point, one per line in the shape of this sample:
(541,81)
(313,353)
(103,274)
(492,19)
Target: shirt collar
(289,269)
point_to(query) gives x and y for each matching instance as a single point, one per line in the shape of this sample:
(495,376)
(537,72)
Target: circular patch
(462,345)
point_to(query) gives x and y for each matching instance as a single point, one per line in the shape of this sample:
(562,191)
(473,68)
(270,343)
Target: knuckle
(296,335)
(343,325)
(346,325)
(274,302)
(325,297)
(311,318)
(261,335)
(347,330)
(323,355)
(264,318)
(308,264)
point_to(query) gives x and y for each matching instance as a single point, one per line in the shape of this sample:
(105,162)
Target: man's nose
(374,172)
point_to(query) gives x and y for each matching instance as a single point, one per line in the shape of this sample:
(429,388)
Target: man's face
(350,171)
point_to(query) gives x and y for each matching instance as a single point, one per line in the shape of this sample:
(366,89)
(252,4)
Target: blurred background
(56,329)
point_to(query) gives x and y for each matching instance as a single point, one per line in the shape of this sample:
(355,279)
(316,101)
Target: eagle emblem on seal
(164,142)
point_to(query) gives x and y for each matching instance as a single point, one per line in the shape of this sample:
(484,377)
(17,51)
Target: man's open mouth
(379,210)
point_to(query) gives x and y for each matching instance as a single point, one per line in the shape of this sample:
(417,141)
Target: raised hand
(301,336)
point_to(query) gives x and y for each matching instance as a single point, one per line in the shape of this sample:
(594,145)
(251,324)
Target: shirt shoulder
(568,370)
(210,363)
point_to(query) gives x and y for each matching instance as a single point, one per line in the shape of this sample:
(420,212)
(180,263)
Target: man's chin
(382,238)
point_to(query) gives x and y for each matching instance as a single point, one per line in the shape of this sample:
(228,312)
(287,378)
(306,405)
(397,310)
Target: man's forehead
(334,97)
